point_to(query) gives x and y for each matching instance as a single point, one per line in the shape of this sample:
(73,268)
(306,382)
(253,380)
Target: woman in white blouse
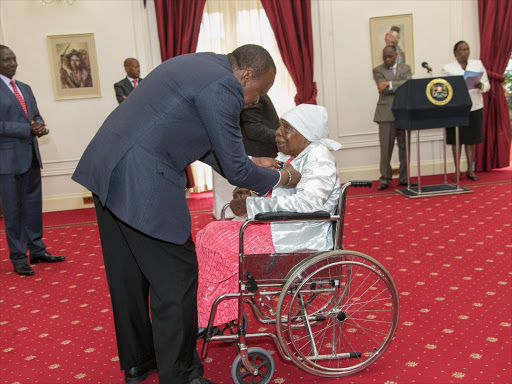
(472,134)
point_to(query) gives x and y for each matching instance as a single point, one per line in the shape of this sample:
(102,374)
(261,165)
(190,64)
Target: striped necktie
(18,97)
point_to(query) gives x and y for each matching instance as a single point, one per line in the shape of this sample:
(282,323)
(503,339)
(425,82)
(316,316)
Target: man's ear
(247,76)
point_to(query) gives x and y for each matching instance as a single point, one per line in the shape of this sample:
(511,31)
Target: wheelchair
(333,313)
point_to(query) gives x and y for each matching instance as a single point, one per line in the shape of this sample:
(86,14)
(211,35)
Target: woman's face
(289,141)
(462,52)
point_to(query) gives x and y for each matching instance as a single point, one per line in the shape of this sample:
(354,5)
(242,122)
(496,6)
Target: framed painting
(394,30)
(74,66)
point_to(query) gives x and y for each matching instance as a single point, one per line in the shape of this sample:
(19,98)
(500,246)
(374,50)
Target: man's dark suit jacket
(124,88)
(16,142)
(186,109)
(259,124)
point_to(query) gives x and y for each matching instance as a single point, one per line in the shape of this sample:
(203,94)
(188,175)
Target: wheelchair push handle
(285,216)
(361,183)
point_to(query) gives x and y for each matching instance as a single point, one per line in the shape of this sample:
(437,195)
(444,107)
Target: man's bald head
(389,55)
(132,68)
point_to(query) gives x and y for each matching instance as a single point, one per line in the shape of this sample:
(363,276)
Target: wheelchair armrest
(285,216)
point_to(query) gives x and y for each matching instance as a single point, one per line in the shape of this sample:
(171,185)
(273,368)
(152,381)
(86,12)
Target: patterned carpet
(450,258)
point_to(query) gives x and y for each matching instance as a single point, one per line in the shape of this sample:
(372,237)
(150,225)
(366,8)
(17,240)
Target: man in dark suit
(389,76)
(259,124)
(187,109)
(20,168)
(124,87)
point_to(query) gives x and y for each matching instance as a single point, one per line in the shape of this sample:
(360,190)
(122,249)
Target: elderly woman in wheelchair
(317,296)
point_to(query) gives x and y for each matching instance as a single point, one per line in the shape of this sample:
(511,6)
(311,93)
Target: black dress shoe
(23,269)
(382,187)
(201,380)
(46,258)
(410,184)
(137,374)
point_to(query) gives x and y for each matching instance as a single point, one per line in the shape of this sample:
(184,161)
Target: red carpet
(450,258)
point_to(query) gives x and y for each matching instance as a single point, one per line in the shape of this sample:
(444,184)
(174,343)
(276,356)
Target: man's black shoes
(382,187)
(137,374)
(46,258)
(23,269)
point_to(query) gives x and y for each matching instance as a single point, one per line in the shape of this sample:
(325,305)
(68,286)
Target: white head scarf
(311,122)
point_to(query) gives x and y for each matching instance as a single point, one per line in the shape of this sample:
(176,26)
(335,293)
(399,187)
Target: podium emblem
(439,91)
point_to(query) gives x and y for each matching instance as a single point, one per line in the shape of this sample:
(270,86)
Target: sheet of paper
(472,78)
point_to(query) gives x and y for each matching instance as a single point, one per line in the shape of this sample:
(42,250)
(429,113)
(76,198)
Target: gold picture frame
(74,66)
(394,30)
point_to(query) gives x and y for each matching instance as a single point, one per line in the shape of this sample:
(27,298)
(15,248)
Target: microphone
(426,66)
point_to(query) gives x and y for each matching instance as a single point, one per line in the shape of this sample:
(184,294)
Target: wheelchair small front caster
(261,360)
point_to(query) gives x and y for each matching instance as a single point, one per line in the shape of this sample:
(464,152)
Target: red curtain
(495,19)
(291,22)
(178,23)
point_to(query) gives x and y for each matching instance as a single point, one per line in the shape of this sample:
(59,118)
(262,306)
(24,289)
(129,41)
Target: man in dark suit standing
(187,109)
(259,124)
(389,76)
(124,87)
(20,168)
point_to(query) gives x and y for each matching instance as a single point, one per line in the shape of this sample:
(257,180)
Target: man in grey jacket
(389,76)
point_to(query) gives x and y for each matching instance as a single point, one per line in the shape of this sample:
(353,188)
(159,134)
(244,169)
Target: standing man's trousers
(138,267)
(387,135)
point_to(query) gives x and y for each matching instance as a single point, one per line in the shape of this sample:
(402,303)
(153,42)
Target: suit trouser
(387,135)
(21,199)
(137,266)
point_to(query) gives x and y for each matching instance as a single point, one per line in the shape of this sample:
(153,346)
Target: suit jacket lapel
(11,96)
(128,84)
(388,72)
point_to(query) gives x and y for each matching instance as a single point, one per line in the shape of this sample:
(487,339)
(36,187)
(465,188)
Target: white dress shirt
(7,82)
(131,80)
(455,69)
(393,69)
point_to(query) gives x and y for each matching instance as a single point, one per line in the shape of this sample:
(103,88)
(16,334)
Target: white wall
(343,72)
(120,29)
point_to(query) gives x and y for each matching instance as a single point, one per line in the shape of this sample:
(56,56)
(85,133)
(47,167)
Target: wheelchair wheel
(261,360)
(337,313)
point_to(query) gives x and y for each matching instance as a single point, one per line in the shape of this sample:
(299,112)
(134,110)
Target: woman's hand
(479,85)
(266,162)
(238,207)
(241,193)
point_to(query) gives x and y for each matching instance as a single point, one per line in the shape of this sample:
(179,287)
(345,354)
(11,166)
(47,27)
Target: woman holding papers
(476,79)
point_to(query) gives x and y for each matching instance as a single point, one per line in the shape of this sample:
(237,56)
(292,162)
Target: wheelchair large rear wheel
(337,313)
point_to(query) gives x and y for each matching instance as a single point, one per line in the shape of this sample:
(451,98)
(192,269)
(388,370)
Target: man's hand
(382,85)
(38,129)
(241,193)
(284,177)
(479,85)
(238,207)
(266,162)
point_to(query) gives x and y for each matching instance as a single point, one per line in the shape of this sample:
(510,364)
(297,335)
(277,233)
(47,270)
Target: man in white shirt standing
(124,87)
(389,76)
